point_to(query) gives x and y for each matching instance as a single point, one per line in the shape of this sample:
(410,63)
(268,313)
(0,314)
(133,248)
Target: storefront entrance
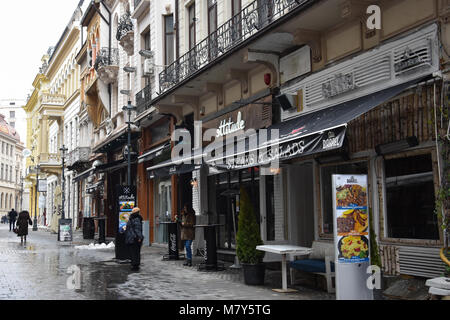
(223,202)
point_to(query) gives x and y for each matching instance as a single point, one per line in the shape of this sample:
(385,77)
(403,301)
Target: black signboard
(65,230)
(173,241)
(126,201)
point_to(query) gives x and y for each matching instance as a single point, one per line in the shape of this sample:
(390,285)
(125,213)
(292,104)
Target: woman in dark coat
(134,237)
(22,225)
(188,231)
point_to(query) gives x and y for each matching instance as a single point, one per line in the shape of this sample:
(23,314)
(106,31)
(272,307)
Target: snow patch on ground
(96,246)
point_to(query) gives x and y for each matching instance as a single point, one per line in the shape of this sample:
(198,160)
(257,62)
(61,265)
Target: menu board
(65,230)
(127,201)
(351,218)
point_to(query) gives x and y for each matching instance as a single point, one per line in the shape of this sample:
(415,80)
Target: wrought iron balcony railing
(105,59)
(143,98)
(125,25)
(253,18)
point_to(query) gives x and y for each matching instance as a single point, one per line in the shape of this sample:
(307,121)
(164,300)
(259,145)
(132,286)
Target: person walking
(188,231)
(134,237)
(22,224)
(12,216)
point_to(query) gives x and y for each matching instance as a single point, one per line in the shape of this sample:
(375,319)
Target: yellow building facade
(55,90)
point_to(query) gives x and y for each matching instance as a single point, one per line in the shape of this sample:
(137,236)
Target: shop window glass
(410,198)
(326,173)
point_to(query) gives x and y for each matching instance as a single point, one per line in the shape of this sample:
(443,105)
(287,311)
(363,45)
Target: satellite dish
(26,153)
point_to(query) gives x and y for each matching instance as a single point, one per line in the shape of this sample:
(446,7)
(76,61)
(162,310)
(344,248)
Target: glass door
(163,210)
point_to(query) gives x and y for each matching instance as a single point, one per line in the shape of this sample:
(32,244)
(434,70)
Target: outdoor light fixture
(129,69)
(127,92)
(194,182)
(286,101)
(146,53)
(395,146)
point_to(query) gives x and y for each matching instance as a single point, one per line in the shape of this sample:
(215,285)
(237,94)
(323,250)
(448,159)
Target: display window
(410,198)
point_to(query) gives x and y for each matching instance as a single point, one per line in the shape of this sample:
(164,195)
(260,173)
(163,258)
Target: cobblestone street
(44,269)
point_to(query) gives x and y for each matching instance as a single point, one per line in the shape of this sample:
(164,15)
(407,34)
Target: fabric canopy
(315,132)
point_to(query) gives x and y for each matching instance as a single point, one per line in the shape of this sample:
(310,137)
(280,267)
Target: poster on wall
(351,220)
(127,201)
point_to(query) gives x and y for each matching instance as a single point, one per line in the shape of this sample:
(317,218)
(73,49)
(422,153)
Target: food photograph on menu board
(352,222)
(353,249)
(125,210)
(351,196)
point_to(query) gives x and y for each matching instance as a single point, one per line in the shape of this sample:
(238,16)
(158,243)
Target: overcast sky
(27,29)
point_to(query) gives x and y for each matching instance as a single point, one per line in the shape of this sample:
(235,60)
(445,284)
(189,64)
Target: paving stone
(39,269)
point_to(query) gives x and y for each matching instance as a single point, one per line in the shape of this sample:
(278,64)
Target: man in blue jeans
(188,231)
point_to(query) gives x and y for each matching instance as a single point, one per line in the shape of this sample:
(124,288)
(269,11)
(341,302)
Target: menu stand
(210,262)
(173,241)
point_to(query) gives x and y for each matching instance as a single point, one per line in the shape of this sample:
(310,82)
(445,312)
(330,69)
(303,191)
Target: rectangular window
(1,174)
(12,124)
(169,38)
(326,173)
(12,114)
(235,7)
(410,198)
(191,19)
(212,16)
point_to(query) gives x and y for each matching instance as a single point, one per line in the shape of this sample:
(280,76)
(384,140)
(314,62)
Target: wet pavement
(44,269)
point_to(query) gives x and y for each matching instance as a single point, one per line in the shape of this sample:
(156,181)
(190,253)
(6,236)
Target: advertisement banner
(127,201)
(351,220)
(65,230)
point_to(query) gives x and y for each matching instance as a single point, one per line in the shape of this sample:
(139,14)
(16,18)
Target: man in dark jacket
(134,237)
(12,215)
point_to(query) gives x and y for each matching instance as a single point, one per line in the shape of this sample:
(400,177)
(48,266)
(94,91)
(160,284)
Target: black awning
(319,131)
(153,153)
(83,175)
(184,164)
(113,166)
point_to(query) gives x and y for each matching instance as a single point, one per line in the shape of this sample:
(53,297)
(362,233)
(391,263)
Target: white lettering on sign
(330,143)
(227,127)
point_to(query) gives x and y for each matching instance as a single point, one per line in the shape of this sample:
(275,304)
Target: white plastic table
(284,249)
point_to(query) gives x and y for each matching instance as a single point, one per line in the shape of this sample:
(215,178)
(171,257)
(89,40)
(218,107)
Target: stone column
(43,145)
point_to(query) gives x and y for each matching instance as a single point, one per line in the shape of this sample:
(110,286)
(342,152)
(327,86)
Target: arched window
(11,204)
(1,201)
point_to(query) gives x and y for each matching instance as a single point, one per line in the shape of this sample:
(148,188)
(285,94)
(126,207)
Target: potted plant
(247,238)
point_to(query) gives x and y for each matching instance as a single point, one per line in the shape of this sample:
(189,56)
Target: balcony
(78,155)
(107,65)
(244,25)
(125,33)
(143,98)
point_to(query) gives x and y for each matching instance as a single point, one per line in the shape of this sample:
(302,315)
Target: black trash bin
(88,228)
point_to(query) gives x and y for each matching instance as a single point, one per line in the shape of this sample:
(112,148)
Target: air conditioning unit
(149,67)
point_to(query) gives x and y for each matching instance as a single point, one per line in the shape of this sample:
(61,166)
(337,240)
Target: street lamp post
(63,150)
(129,107)
(35,228)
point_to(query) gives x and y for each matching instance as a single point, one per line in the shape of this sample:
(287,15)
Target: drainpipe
(177,35)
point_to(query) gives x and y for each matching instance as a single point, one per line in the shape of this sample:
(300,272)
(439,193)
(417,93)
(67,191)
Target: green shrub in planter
(248,235)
